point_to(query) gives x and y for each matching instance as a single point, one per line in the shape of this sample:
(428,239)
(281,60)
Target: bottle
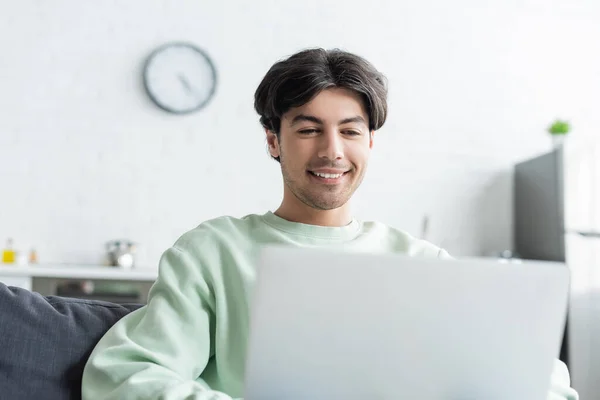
(8,254)
(33,258)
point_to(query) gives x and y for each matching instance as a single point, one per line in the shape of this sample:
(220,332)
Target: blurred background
(88,157)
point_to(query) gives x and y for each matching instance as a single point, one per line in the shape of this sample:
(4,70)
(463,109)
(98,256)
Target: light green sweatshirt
(189,342)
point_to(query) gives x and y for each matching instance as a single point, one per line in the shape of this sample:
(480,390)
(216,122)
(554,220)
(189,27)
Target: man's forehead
(326,114)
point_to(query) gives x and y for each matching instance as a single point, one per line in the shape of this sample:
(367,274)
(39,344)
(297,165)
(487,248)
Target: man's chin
(326,204)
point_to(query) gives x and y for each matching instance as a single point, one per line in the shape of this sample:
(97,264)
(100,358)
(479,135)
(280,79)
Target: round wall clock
(180,78)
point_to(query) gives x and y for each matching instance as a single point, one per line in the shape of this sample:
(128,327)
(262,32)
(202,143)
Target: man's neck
(304,214)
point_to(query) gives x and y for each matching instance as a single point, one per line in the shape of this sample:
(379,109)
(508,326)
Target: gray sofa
(45,342)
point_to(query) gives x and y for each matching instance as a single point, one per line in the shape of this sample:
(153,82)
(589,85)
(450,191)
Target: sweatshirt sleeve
(159,350)
(560,384)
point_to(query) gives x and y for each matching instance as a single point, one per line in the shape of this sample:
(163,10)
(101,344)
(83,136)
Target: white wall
(85,157)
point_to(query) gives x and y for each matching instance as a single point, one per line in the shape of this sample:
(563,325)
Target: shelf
(71,271)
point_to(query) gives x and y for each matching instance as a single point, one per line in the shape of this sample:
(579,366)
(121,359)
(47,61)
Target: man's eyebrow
(303,117)
(310,118)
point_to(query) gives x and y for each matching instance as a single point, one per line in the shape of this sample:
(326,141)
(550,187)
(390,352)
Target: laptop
(331,325)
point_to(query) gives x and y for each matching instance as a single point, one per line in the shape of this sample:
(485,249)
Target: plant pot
(558,140)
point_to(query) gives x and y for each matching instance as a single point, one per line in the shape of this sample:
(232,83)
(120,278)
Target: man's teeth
(328,176)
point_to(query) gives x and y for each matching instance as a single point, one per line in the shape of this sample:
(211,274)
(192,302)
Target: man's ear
(273,143)
(371,136)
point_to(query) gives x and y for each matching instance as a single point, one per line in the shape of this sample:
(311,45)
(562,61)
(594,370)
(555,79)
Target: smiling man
(323,156)
(320,110)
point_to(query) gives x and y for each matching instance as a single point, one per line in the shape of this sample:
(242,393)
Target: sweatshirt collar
(347,232)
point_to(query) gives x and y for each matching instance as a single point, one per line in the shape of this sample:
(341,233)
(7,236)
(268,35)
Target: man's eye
(352,133)
(307,131)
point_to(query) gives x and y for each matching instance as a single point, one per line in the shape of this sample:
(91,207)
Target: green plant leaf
(559,127)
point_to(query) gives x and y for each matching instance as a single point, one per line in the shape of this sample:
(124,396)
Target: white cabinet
(43,278)
(581,169)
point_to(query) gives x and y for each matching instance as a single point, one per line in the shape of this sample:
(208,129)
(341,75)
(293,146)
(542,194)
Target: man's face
(324,148)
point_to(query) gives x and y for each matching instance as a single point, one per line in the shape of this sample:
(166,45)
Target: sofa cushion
(45,342)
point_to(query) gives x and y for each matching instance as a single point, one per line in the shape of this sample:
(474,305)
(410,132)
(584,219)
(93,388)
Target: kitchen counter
(69,271)
(24,275)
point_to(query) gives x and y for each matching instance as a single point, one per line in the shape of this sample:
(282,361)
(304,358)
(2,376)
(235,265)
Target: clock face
(180,78)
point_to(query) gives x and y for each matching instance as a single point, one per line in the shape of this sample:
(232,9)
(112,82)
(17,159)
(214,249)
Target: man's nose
(331,146)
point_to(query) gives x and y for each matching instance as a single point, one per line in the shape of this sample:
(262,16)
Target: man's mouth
(328,177)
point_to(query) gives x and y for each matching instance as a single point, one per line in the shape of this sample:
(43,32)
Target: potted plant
(559,130)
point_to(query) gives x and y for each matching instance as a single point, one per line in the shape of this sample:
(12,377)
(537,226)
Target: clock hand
(185,83)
